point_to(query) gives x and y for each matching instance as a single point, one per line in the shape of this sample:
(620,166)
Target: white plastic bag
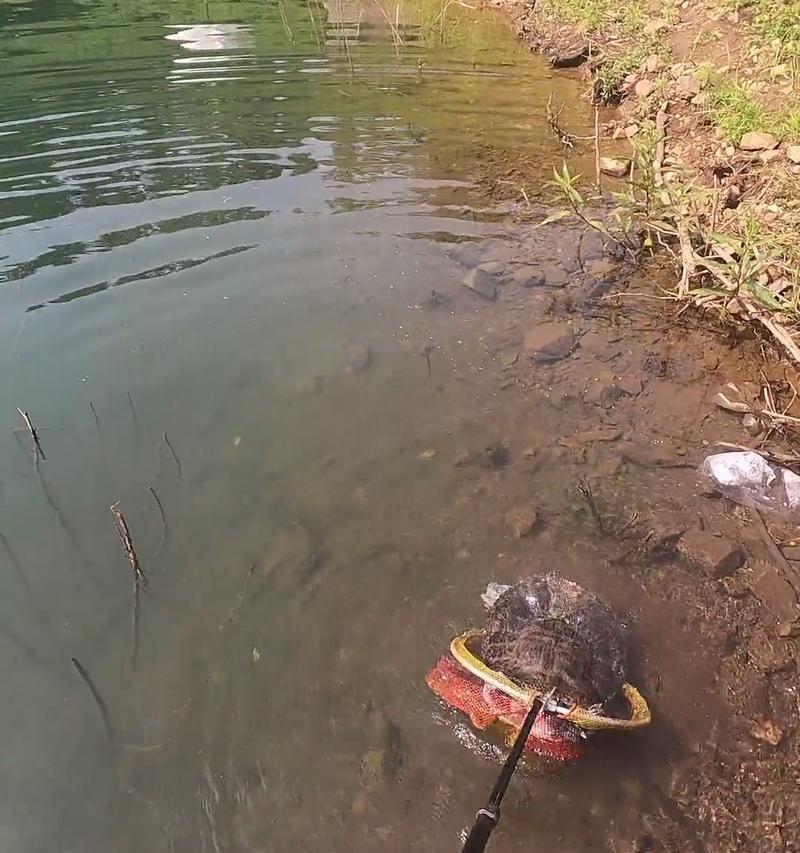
(748,478)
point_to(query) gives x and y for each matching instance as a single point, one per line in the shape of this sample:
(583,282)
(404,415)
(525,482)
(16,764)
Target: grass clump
(779,22)
(787,126)
(735,110)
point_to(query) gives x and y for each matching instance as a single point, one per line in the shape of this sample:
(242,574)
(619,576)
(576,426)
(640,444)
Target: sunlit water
(221,224)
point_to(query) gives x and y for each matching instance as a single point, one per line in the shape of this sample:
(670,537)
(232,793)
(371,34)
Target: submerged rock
(550,342)
(716,556)
(358,357)
(522,520)
(481,281)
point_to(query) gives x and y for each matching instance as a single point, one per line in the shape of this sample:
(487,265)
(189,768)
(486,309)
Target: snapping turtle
(543,634)
(547,632)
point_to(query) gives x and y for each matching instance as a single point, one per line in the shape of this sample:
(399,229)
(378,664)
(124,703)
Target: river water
(232,250)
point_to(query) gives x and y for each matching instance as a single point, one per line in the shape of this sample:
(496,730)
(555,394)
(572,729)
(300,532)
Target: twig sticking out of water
(553,118)
(139,578)
(94,413)
(160,506)
(585,489)
(37,446)
(174,454)
(98,699)
(133,413)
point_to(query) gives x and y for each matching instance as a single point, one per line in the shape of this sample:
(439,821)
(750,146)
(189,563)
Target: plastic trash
(749,479)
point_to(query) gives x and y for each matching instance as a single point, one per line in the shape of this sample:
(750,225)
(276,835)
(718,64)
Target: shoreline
(703,146)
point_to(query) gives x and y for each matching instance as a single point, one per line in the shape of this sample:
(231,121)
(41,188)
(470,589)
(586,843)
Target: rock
(549,342)
(307,386)
(687,87)
(653,63)
(767,731)
(655,26)
(528,277)
(793,153)
(770,155)
(631,130)
(555,276)
(358,357)
(701,100)
(644,88)
(602,268)
(522,520)
(426,455)
(599,433)
(787,629)
(481,282)
(570,57)
(715,555)
(757,140)
(774,591)
(509,359)
(752,424)
(614,167)
(629,385)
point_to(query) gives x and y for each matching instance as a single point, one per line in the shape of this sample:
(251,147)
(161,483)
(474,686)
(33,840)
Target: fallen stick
(160,506)
(174,454)
(34,434)
(98,699)
(789,571)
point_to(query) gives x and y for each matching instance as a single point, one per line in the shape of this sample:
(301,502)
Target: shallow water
(222,227)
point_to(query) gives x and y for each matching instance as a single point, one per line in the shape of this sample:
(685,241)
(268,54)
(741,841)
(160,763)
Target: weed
(735,110)
(787,126)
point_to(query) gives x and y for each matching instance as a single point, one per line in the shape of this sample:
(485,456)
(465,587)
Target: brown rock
(550,342)
(614,167)
(653,63)
(358,357)
(655,26)
(629,385)
(522,520)
(768,584)
(643,88)
(570,57)
(481,281)
(600,433)
(769,156)
(758,140)
(793,153)
(715,555)
(687,86)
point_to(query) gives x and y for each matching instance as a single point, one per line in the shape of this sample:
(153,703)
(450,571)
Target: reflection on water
(223,223)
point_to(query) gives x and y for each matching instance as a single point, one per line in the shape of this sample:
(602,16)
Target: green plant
(735,110)
(787,126)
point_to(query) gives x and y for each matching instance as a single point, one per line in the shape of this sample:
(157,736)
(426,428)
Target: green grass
(778,21)
(787,126)
(735,110)
(629,17)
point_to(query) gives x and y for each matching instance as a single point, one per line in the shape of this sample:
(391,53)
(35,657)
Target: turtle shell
(546,631)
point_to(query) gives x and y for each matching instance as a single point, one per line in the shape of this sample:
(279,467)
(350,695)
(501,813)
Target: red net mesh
(484,705)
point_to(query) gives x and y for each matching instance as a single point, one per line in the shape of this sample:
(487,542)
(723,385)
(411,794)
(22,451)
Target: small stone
(629,385)
(767,731)
(614,167)
(528,278)
(702,100)
(522,520)
(769,156)
(643,88)
(631,130)
(655,26)
(653,63)
(768,653)
(599,433)
(426,455)
(715,555)
(787,629)
(687,86)
(793,153)
(509,359)
(358,357)
(481,282)
(550,342)
(757,140)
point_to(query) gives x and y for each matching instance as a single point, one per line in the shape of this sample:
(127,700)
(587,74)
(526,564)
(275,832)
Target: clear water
(214,214)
